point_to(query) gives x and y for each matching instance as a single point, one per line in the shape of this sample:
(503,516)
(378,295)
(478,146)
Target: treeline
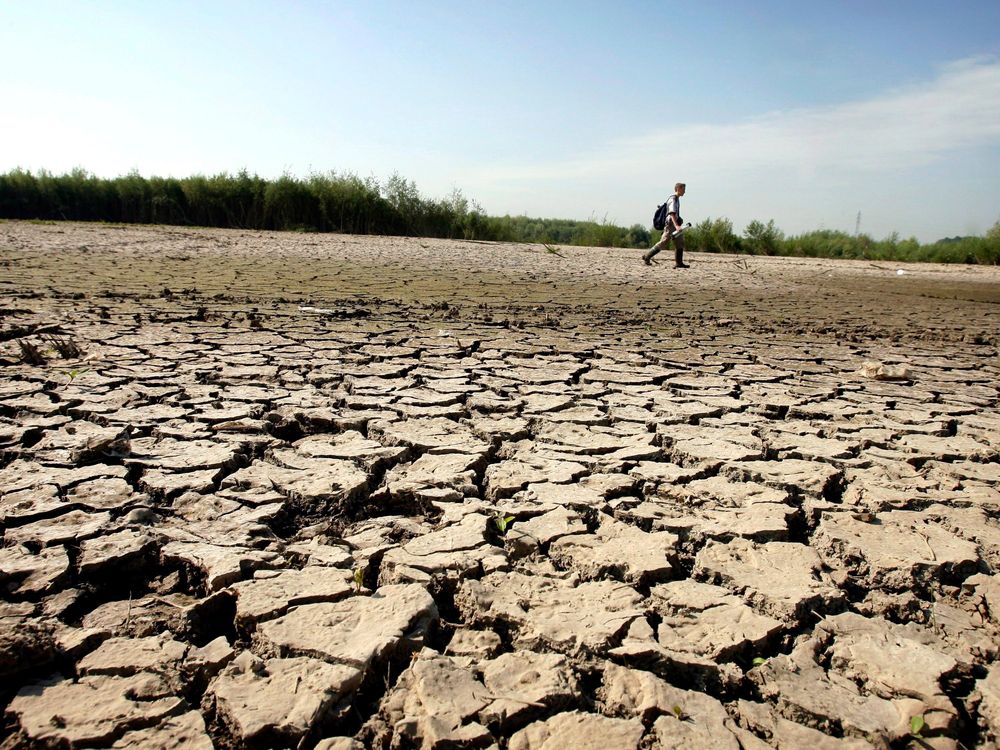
(345,203)
(319,203)
(717,236)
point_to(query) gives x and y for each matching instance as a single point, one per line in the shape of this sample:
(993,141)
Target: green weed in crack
(502,522)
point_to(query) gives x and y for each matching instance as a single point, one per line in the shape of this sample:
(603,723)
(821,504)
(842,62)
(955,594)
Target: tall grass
(333,202)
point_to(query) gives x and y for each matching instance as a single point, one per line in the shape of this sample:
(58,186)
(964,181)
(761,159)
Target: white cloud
(807,167)
(903,128)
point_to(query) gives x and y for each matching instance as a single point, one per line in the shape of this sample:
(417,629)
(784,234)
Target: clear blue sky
(801,112)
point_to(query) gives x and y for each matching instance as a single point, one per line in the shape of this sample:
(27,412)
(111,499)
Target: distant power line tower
(857,225)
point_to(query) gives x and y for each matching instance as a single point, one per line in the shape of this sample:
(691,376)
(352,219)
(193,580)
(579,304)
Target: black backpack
(660,217)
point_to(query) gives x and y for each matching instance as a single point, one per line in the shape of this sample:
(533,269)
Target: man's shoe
(682,264)
(646,260)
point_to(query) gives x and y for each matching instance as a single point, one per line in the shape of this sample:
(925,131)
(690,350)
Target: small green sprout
(679,713)
(359,577)
(917,725)
(74,374)
(758,660)
(502,522)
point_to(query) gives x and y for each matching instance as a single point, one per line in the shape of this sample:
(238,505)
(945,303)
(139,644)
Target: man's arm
(673,217)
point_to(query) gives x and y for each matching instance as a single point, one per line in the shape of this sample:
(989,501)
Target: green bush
(762,239)
(345,203)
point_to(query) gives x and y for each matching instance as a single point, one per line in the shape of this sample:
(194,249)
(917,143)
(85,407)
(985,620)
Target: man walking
(670,227)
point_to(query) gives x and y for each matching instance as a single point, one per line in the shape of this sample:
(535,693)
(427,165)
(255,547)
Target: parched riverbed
(265,490)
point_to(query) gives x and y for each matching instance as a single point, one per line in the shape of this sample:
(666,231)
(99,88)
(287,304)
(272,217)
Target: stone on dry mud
(339,743)
(578,439)
(801,690)
(507,477)
(436,434)
(781,579)
(681,718)
(524,684)
(317,484)
(27,642)
(529,536)
(760,522)
(988,692)
(895,551)
(710,622)
(355,631)
(320,553)
(457,551)
(272,593)
(718,491)
(617,550)
(435,471)
(350,445)
(983,593)
(123,657)
(809,479)
(219,565)
(21,474)
(171,483)
(434,704)
(93,710)
(27,573)
(206,661)
(115,552)
(22,506)
(184,732)
(168,454)
(80,442)
(891,661)
(693,444)
(577,496)
(545,613)
(106,493)
(956,448)
(783,734)
(276,702)
(579,730)
(74,526)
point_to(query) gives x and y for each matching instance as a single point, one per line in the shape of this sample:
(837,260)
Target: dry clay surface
(277,490)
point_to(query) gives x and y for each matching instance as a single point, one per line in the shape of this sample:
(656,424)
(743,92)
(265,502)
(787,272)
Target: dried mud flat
(275,490)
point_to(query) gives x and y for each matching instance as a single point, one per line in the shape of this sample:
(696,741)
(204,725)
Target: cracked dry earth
(274,490)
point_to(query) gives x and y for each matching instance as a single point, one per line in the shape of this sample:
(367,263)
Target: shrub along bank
(346,203)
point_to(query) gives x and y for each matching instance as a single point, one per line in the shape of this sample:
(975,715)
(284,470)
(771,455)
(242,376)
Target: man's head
(679,188)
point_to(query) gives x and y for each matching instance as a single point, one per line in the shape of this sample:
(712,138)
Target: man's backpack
(660,217)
